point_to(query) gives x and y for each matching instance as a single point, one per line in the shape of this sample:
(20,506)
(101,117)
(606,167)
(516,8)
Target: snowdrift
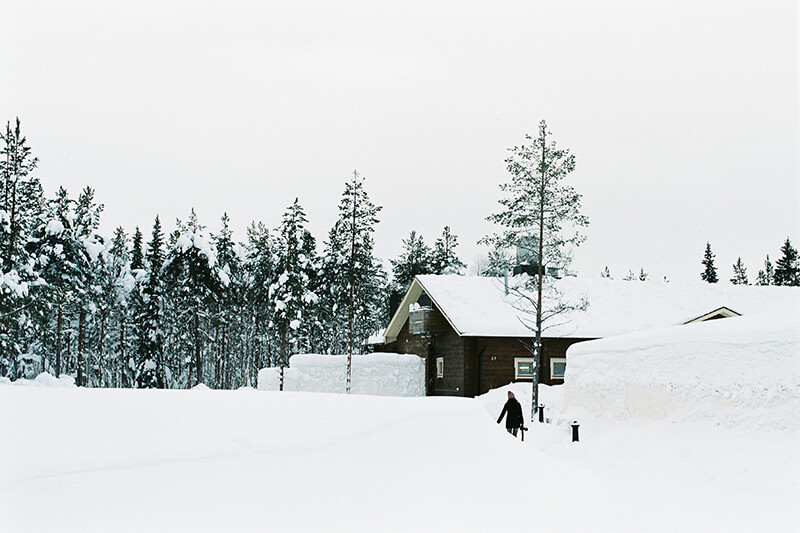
(378,374)
(42,380)
(734,371)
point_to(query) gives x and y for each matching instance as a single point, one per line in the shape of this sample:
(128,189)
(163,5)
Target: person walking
(512,410)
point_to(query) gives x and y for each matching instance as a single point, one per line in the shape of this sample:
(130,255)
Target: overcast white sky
(683,115)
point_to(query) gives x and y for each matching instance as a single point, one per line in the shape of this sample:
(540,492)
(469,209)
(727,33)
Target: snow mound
(379,374)
(735,371)
(42,380)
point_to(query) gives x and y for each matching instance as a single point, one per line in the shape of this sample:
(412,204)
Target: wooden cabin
(476,335)
(465,363)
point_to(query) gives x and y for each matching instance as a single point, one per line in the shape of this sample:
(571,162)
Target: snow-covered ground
(202,460)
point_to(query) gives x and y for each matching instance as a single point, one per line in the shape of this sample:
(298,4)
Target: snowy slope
(202,460)
(734,371)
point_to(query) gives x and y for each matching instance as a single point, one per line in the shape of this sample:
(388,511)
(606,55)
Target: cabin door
(430,375)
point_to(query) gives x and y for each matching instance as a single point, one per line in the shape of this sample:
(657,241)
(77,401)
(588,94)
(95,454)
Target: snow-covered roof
(479,307)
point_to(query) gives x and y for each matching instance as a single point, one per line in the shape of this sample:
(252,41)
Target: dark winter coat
(514,410)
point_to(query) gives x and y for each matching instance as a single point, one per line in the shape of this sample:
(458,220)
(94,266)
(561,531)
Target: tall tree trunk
(198,356)
(81,341)
(13,226)
(122,359)
(224,359)
(283,352)
(351,311)
(100,362)
(537,353)
(59,326)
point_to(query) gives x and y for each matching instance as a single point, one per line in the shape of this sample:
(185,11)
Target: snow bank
(734,371)
(42,380)
(379,374)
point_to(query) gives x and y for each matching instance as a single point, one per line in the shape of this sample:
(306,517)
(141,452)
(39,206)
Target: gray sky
(682,115)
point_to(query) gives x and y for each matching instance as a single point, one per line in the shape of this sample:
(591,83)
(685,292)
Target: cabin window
(558,365)
(440,367)
(523,367)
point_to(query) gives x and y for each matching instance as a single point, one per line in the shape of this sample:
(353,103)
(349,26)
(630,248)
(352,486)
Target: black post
(575,426)
(541,413)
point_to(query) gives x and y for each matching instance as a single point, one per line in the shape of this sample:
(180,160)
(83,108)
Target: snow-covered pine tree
(193,277)
(137,252)
(642,274)
(229,310)
(443,258)
(120,295)
(21,208)
(540,208)
(290,296)
(414,260)
(149,362)
(260,270)
(630,276)
(62,261)
(606,273)
(739,273)
(22,198)
(87,220)
(311,265)
(710,273)
(786,268)
(352,278)
(765,277)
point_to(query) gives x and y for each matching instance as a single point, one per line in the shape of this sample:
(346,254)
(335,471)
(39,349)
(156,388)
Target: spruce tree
(709,275)
(416,259)
(86,222)
(765,277)
(137,253)
(786,268)
(229,311)
(149,360)
(739,273)
(290,295)
(193,278)
(62,261)
(443,258)
(21,197)
(21,209)
(606,273)
(260,270)
(120,312)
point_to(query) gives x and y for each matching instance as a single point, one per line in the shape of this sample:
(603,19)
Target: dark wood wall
(490,360)
(474,365)
(447,344)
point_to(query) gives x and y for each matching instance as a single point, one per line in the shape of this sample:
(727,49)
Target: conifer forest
(150,309)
